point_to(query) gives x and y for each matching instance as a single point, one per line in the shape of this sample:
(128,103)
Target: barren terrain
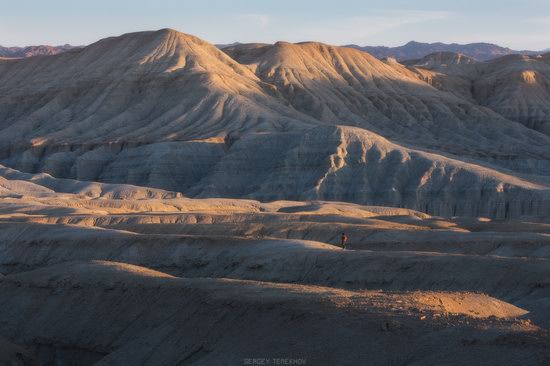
(112,274)
(165,202)
(303,121)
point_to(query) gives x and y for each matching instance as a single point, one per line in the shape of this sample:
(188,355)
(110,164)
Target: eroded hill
(88,277)
(285,121)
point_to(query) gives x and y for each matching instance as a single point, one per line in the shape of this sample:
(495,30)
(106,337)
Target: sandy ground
(93,279)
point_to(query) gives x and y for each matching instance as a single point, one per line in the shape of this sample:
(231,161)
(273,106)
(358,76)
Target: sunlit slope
(286,121)
(140,87)
(517,87)
(346,86)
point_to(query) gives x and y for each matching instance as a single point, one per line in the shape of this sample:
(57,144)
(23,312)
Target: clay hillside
(165,202)
(285,121)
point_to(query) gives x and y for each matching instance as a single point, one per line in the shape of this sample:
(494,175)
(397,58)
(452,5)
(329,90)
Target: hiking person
(343,240)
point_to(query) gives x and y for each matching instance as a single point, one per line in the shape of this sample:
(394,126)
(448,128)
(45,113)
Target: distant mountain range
(412,50)
(221,46)
(22,52)
(418,50)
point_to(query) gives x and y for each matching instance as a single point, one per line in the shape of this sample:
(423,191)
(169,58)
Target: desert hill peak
(169,110)
(142,86)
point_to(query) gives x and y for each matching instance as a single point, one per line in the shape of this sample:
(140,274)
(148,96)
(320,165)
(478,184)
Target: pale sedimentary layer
(90,277)
(285,121)
(323,163)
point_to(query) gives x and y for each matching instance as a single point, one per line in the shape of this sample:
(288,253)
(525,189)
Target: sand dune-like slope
(116,280)
(148,321)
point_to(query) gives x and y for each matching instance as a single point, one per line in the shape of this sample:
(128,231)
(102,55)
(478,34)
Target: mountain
(441,59)
(342,86)
(418,50)
(225,45)
(301,121)
(30,51)
(515,86)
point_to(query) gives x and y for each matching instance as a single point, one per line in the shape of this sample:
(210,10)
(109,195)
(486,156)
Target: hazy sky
(520,24)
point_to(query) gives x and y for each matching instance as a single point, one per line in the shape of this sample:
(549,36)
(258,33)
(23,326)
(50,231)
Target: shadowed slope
(168,110)
(344,86)
(112,313)
(517,87)
(354,165)
(325,163)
